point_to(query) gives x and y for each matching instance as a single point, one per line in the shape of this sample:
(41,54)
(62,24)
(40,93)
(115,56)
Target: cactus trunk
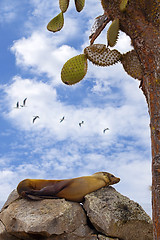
(140,21)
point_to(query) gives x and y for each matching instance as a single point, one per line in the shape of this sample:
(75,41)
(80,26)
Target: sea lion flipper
(48,191)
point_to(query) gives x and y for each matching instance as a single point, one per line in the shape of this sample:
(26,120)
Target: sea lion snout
(116,180)
(113,179)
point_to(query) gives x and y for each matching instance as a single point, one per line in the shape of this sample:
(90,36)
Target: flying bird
(62,120)
(34,118)
(17,105)
(24,102)
(81,123)
(105,130)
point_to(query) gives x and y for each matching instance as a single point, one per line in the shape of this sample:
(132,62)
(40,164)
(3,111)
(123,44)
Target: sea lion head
(107,177)
(111,177)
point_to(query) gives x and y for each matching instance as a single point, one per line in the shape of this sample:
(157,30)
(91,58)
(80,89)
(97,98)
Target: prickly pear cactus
(74,69)
(132,64)
(56,23)
(112,33)
(63,4)
(123,5)
(102,56)
(79,5)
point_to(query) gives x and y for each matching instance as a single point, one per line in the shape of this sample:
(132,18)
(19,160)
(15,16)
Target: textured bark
(141,22)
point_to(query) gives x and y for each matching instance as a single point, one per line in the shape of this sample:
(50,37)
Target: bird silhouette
(17,105)
(34,118)
(81,123)
(62,120)
(24,102)
(105,130)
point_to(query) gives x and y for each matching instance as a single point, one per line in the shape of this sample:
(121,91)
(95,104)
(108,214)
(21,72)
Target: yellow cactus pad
(132,64)
(63,4)
(56,23)
(74,69)
(79,5)
(112,33)
(123,5)
(102,56)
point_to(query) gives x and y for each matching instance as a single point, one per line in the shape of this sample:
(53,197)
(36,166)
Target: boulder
(4,235)
(46,219)
(117,216)
(104,215)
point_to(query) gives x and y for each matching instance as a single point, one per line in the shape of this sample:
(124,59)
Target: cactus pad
(112,33)
(56,23)
(63,4)
(74,69)
(79,5)
(123,5)
(102,56)
(132,64)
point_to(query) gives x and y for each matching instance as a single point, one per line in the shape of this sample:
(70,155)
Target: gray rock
(11,198)
(113,216)
(4,235)
(102,237)
(47,219)
(117,216)
(71,237)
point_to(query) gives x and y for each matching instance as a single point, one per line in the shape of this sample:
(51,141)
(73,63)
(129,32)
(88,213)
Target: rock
(47,219)
(111,216)
(11,198)
(117,216)
(102,237)
(4,235)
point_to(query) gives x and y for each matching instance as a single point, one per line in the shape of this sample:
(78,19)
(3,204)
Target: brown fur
(71,189)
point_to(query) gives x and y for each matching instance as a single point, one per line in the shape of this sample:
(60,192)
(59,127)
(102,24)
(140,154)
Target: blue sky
(31,59)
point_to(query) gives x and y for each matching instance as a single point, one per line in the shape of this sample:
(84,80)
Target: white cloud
(42,100)
(40,54)
(43,8)
(8,11)
(7,179)
(124,43)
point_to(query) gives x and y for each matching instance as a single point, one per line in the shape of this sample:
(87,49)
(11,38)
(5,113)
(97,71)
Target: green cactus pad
(74,69)
(56,23)
(112,33)
(63,4)
(79,5)
(132,64)
(123,5)
(102,56)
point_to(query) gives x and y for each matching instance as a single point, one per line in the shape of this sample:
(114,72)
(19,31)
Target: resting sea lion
(71,189)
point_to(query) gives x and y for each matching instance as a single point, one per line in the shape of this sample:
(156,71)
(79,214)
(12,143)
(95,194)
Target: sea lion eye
(112,175)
